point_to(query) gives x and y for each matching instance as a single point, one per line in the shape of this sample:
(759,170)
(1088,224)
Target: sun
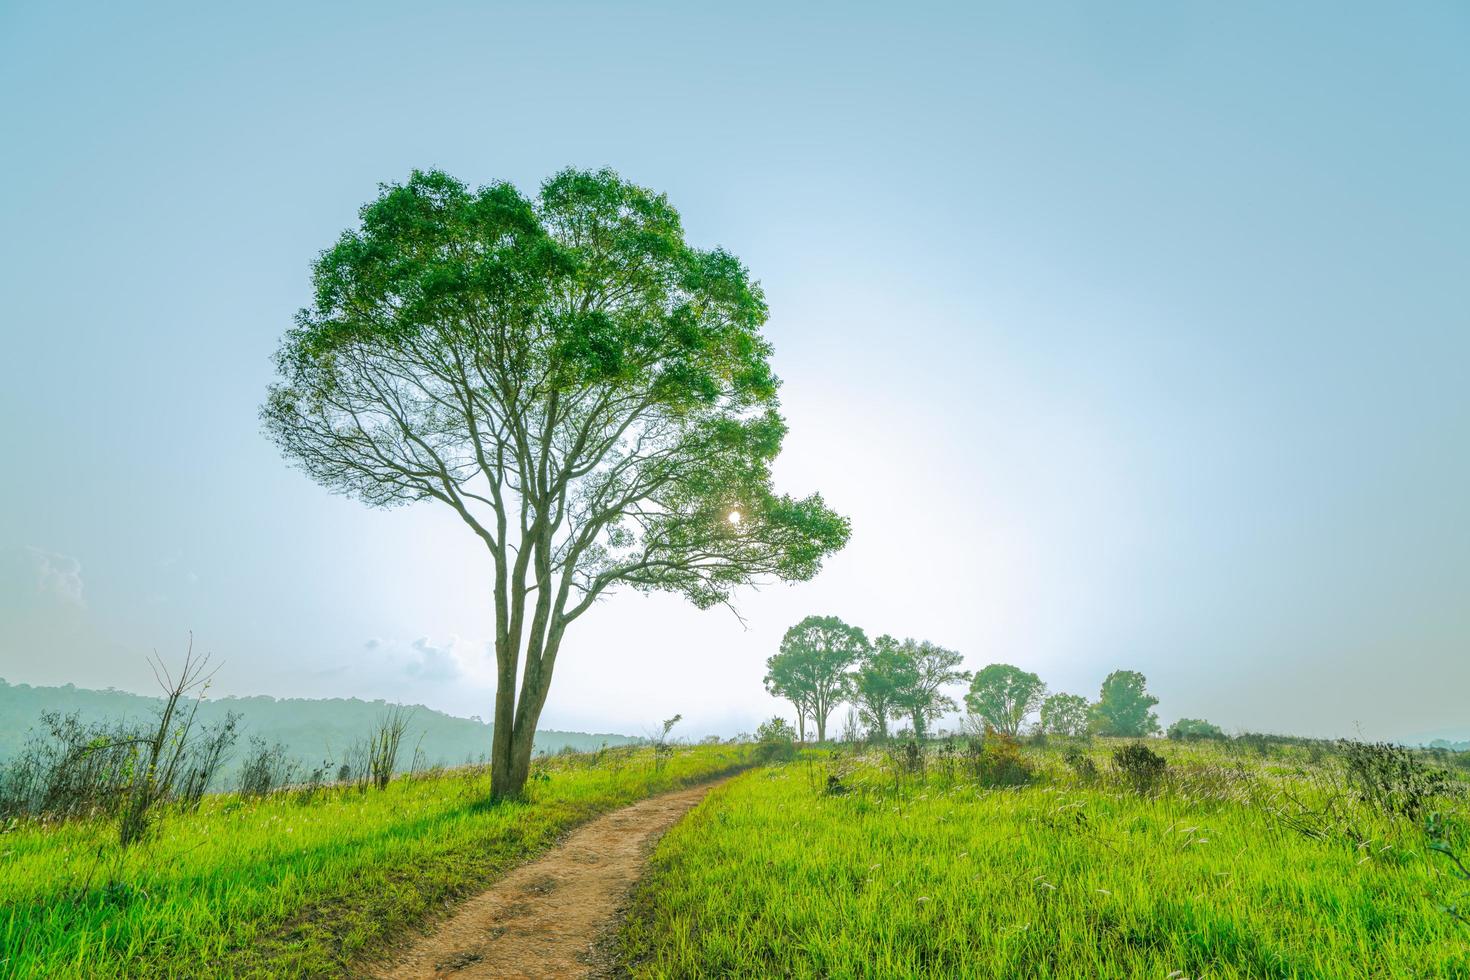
(734,517)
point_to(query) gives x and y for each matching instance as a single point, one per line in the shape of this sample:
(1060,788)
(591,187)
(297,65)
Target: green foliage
(1437,831)
(811,670)
(587,392)
(127,770)
(1390,778)
(883,675)
(931,668)
(774,741)
(662,748)
(769,753)
(267,768)
(1081,764)
(1139,765)
(1190,729)
(1122,709)
(775,729)
(286,886)
(666,726)
(997,761)
(907,757)
(1064,714)
(1004,695)
(306,727)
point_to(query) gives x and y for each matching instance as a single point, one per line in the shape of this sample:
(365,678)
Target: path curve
(544,918)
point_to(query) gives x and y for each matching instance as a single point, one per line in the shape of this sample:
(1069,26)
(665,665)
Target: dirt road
(543,919)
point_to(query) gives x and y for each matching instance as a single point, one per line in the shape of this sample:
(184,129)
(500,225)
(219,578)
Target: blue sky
(1133,338)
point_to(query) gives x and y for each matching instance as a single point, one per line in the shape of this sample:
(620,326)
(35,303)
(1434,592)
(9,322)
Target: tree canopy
(1064,714)
(811,669)
(1123,705)
(590,394)
(931,668)
(883,675)
(1003,695)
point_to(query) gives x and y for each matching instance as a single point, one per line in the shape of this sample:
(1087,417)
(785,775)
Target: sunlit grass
(934,876)
(281,887)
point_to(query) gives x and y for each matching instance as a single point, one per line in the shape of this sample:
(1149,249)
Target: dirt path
(543,919)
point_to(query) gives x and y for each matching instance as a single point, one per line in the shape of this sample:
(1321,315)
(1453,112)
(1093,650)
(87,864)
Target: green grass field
(286,887)
(1211,873)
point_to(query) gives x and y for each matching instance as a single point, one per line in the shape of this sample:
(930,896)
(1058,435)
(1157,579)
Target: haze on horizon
(1134,340)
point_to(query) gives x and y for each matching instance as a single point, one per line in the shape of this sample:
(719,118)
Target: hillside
(312,730)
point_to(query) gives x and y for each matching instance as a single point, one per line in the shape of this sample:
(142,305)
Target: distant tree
(931,668)
(1122,707)
(1004,695)
(660,735)
(1064,714)
(588,393)
(883,674)
(776,729)
(784,680)
(1190,729)
(660,739)
(811,669)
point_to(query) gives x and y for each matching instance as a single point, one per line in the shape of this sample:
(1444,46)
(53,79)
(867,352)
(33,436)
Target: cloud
(58,575)
(431,663)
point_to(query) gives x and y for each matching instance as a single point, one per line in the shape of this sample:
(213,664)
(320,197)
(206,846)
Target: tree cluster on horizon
(824,662)
(1003,696)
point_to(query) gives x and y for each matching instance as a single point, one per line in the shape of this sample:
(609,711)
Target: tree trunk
(503,784)
(800,725)
(821,721)
(514,736)
(523,742)
(510,761)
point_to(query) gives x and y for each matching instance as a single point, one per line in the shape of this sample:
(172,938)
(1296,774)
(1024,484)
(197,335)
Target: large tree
(1123,705)
(590,394)
(883,674)
(932,668)
(1004,695)
(811,669)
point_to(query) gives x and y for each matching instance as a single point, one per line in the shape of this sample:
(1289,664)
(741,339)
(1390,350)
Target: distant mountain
(312,730)
(1441,743)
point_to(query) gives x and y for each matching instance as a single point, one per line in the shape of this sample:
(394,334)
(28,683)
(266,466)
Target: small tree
(266,768)
(660,739)
(1064,714)
(811,669)
(1004,695)
(384,742)
(165,753)
(775,729)
(773,741)
(884,673)
(931,668)
(1122,707)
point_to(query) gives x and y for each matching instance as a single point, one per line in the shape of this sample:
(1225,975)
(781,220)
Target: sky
(1127,337)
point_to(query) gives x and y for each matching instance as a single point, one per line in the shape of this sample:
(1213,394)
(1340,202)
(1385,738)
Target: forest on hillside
(310,730)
